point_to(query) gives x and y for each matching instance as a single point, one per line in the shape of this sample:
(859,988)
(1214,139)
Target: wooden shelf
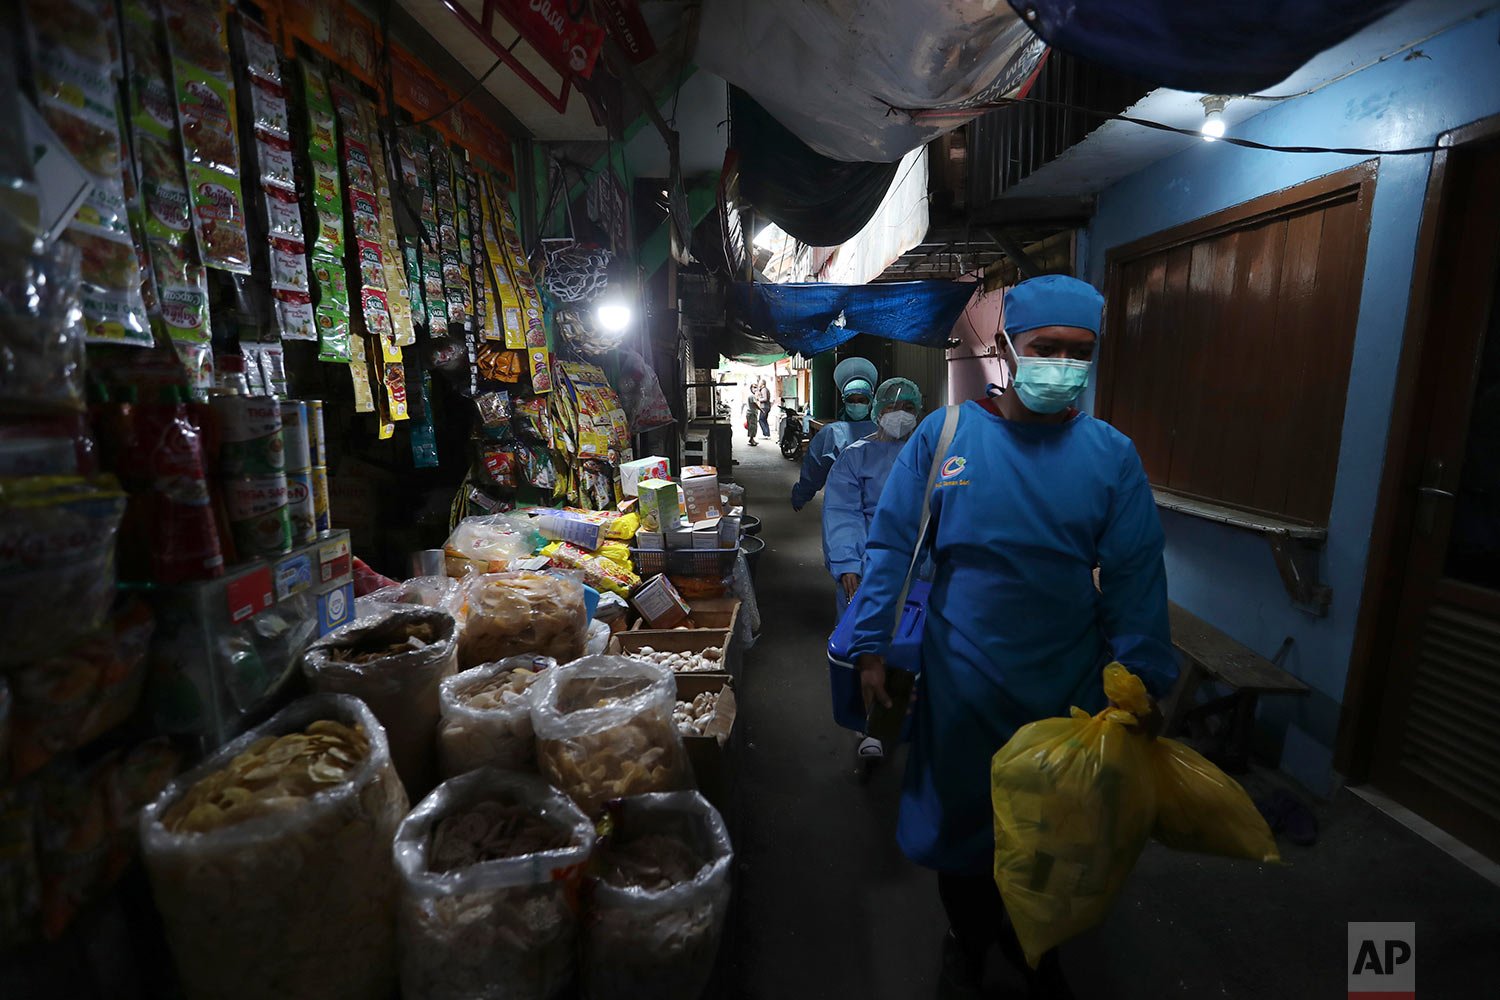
(1295,547)
(1236,518)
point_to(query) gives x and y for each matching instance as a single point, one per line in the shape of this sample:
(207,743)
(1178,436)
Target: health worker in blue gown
(855,379)
(853,492)
(1031,496)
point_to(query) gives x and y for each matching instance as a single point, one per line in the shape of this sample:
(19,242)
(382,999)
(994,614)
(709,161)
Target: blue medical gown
(825,447)
(850,497)
(1016,631)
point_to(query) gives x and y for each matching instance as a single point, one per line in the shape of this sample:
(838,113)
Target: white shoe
(871,749)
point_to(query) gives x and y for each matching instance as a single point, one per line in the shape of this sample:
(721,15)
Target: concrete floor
(827,907)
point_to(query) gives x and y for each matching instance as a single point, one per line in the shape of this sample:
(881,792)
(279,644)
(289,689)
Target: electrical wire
(473,87)
(1194,133)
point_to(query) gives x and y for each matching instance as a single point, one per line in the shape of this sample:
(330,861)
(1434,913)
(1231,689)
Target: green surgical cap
(897,390)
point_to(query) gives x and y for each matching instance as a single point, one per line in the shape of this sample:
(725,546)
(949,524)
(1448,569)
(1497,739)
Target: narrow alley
(828,907)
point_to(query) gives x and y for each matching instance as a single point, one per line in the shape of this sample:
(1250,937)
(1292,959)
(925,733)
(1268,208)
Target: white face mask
(898,423)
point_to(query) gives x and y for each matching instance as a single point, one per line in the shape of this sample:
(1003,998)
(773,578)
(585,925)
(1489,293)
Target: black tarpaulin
(820,201)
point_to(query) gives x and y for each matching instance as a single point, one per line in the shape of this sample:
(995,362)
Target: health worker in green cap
(855,379)
(1031,495)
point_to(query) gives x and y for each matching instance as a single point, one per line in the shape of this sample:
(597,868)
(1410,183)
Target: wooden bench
(1211,655)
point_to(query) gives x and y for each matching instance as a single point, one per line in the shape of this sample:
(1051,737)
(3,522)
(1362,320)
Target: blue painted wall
(1228,576)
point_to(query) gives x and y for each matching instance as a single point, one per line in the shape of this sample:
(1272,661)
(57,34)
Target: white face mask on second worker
(898,423)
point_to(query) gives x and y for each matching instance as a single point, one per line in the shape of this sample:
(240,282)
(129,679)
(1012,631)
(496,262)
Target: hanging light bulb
(612,313)
(1213,117)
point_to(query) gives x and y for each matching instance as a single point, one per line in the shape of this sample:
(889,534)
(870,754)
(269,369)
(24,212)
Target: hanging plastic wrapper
(394,662)
(604,730)
(645,405)
(658,899)
(490,865)
(230,856)
(486,716)
(57,560)
(41,325)
(76,68)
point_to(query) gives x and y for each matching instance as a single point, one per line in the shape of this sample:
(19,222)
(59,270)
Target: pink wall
(976,328)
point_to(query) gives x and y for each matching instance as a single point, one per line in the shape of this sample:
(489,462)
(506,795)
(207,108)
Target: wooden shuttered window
(1228,343)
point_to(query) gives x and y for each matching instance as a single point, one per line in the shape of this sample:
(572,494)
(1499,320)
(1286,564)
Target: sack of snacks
(507,614)
(604,730)
(486,716)
(490,865)
(658,896)
(271,861)
(393,661)
(489,544)
(426,591)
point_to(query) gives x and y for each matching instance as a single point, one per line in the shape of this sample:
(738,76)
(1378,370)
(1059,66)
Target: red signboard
(570,44)
(627,26)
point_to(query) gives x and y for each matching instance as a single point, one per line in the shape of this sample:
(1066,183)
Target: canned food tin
(258,514)
(295,442)
(250,435)
(321,516)
(317,438)
(299,505)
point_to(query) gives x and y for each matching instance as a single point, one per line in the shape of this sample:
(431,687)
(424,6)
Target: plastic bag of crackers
(271,861)
(490,865)
(604,730)
(658,895)
(506,614)
(394,660)
(486,716)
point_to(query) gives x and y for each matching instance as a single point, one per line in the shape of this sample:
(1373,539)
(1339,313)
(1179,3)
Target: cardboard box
(632,474)
(659,603)
(679,538)
(661,504)
(700,493)
(335,607)
(729,530)
(719,614)
(582,532)
(650,540)
(710,753)
(706,536)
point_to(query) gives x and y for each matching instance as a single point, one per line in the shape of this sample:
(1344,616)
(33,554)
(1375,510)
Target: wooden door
(1438,746)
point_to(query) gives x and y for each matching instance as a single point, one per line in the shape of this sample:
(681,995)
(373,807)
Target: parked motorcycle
(791,432)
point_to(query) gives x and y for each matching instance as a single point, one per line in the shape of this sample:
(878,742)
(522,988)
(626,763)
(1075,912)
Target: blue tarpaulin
(1210,46)
(813,318)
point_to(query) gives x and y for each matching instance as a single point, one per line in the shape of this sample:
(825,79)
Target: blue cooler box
(905,654)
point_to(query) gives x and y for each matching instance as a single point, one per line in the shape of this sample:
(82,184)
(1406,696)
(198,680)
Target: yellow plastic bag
(1075,800)
(1200,808)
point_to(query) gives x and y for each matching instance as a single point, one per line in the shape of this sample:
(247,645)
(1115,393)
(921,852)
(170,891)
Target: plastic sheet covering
(246,917)
(898,225)
(831,70)
(394,661)
(817,200)
(1183,45)
(814,318)
(658,941)
(505,924)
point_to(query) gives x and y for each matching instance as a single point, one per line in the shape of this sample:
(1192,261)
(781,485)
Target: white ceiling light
(612,314)
(1213,117)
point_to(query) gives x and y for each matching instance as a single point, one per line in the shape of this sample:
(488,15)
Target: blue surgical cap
(855,386)
(1053,300)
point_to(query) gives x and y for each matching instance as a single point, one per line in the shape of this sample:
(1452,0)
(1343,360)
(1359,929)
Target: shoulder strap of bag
(950,427)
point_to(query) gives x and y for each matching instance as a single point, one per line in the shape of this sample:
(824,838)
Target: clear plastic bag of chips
(284,896)
(604,730)
(486,716)
(507,614)
(659,895)
(490,864)
(394,661)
